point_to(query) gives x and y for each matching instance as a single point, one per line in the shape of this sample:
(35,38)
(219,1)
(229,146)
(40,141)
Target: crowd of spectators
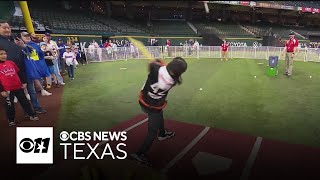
(41,63)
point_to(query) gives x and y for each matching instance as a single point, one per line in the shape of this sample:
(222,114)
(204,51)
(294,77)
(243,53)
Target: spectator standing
(114,50)
(12,84)
(69,58)
(34,52)
(62,49)
(48,56)
(52,46)
(224,50)
(75,51)
(168,44)
(15,54)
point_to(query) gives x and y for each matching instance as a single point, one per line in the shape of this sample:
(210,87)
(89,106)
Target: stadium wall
(244,42)
(314,41)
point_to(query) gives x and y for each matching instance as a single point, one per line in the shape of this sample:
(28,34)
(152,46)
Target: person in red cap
(224,50)
(290,49)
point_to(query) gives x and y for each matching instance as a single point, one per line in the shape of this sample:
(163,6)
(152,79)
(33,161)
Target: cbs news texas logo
(34,145)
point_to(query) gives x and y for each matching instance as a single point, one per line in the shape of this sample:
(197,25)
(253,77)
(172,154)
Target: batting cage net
(250,52)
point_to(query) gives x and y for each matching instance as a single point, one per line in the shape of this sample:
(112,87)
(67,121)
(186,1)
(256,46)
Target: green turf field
(279,108)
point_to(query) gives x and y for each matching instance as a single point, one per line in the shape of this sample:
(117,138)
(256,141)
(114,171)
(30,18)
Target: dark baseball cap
(59,39)
(47,34)
(291,34)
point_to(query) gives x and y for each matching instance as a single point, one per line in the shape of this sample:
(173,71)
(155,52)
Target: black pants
(9,104)
(155,124)
(82,60)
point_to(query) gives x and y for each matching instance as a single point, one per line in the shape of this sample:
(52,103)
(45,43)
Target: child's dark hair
(2,49)
(176,68)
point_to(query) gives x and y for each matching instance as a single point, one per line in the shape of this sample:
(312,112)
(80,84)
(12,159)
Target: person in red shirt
(106,44)
(290,49)
(11,86)
(224,50)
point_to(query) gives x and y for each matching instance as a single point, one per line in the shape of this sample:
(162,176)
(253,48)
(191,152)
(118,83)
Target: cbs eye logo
(38,145)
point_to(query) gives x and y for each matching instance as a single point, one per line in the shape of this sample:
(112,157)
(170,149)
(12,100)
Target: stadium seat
(223,29)
(172,27)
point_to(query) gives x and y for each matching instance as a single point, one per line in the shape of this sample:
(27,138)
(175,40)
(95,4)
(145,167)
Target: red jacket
(9,78)
(106,45)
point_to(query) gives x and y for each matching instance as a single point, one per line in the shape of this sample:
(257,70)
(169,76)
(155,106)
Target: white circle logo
(64,136)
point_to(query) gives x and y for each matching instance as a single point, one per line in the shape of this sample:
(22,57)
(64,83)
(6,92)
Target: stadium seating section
(68,20)
(222,29)
(84,22)
(173,27)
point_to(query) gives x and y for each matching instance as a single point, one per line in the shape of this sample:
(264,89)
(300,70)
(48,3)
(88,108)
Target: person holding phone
(15,53)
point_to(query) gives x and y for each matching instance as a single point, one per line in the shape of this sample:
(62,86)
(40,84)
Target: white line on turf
(185,150)
(136,125)
(246,171)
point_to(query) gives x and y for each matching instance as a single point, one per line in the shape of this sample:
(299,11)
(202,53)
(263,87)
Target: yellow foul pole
(26,16)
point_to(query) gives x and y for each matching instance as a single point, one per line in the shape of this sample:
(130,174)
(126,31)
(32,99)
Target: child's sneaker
(15,100)
(12,123)
(34,118)
(40,111)
(57,85)
(28,97)
(167,135)
(62,83)
(45,93)
(48,86)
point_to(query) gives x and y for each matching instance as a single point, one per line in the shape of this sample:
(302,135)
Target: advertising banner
(316,10)
(307,9)
(245,3)
(287,7)
(244,42)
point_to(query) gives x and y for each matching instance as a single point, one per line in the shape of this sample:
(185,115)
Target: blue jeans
(71,71)
(59,62)
(33,95)
(57,71)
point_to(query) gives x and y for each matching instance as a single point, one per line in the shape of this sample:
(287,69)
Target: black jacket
(15,54)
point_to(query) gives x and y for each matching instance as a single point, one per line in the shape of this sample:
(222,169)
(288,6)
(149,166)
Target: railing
(263,52)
